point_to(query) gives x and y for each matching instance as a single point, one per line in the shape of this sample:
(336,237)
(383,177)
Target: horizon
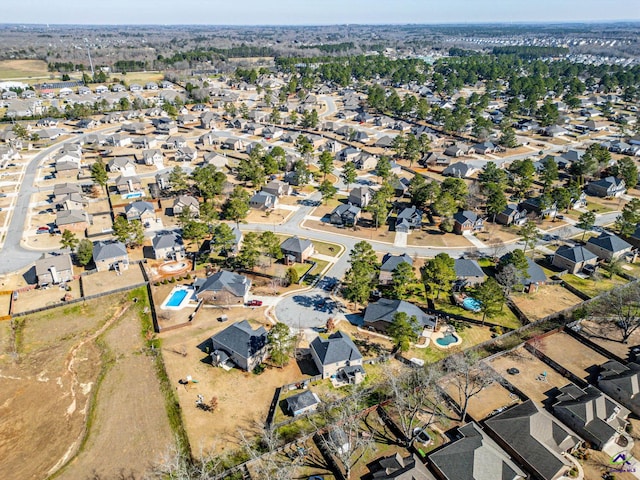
(313,13)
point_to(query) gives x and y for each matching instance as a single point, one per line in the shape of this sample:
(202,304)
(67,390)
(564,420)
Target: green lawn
(330,249)
(470,335)
(506,318)
(594,287)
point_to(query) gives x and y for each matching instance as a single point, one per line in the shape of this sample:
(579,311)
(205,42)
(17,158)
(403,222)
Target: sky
(314,12)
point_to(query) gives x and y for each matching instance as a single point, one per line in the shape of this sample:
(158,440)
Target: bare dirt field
(434,238)
(608,336)
(105,281)
(381,235)
(547,300)
(571,354)
(130,429)
(530,380)
(272,217)
(39,298)
(218,431)
(48,368)
(491,398)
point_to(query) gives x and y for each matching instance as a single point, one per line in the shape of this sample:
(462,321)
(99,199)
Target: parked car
(254,303)
(43,230)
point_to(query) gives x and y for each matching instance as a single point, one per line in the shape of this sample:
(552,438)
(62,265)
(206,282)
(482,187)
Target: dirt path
(129,428)
(72,373)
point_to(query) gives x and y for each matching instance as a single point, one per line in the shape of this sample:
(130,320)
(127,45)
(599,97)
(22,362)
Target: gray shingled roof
(301,401)
(465,267)
(295,244)
(108,250)
(535,436)
(47,261)
(166,240)
(234,283)
(475,457)
(385,309)
(575,254)
(241,339)
(465,216)
(391,262)
(610,242)
(337,348)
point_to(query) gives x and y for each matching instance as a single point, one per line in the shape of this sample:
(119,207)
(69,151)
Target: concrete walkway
(475,240)
(400,240)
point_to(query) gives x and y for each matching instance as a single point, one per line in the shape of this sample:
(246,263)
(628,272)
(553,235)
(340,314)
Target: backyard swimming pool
(177,299)
(471,304)
(447,340)
(127,196)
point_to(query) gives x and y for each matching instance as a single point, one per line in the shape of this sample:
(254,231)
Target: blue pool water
(471,304)
(132,195)
(176,298)
(447,340)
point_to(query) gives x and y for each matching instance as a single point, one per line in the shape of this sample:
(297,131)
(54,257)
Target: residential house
(52,269)
(233,144)
(535,439)
(384,142)
(140,210)
(176,141)
(474,456)
(622,383)
(408,219)
(223,288)
(337,353)
(73,201)
(554,131)
(360,196)
(365,161)
(76,221)
(110,256)
(512,215)
(345,214)
(608,246)
(125,166)
(168,245)
(379,315)
(187,120)
(119,140)
(67,162)
(537,206)
(397,467)
(302,403)
(573,259)
(62,190)
(591,414)
(217,160)
(153,157)
(455,151)
(278,188)
(400,186)
(186,203)
(459,170)
(484,148)
(466,221)
(162,180)
(469,272)
(606,187)
(389,265)
(263,201)
(241,344)
(126,185)
(186,154)
(297,249)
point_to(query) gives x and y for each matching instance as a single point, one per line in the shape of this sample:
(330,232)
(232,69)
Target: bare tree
(347,441)
(264,460)
(619,308)
(175,464)
(415,394)
(469,376)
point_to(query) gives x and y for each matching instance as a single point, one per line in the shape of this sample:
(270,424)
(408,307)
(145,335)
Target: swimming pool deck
(185,301)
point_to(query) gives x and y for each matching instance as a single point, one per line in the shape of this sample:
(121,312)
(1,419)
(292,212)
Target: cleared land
(547,300)
(609,337)
(582,361)
(530,380)
(22,69)
(491,398)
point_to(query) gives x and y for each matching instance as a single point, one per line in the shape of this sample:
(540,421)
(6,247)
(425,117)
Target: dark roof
(166,240)
(108,250)
(346,208)
(234,283)
(47,261)
(391,262)
(241,339)
(474,457)
(397,467)
(301,401)
(607,182)
(295,244)
(464,216)
(467,268)
(535,436)
(625,379)
(385,309)
(610,242)
(575,254)
(536,274)
(337,348)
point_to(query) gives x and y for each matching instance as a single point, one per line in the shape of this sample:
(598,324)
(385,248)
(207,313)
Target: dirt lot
(105,281)
(45,385)
(491,398)
(608,336)
(547,300)
(381,235)
(433,237)
(571,354)
(273,217)
(528,380)
(130,429)
(218,431)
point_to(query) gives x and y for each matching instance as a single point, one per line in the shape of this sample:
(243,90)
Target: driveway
(308,310)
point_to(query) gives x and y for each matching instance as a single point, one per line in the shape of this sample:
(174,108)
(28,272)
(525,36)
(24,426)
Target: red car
(254,303)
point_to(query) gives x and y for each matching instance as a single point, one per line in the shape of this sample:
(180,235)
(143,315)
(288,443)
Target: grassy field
(594,287)
(14,69)
(506,318)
